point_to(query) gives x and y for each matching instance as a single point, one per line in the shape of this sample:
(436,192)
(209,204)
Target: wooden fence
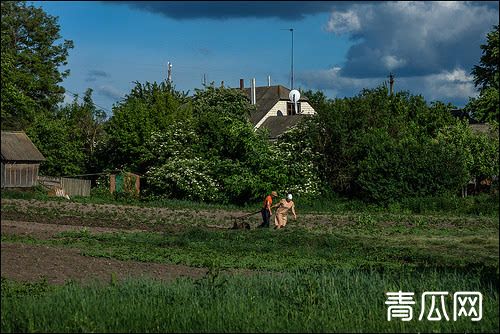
(19,175)
(72,187)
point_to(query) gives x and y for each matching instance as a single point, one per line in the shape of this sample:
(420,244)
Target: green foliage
(86,122)
(486,73)
(215,155)
(479,151)
(384,148)
(222,124)
(297,301)
(149,108)
(398,169)
(68,138)
(62,151)
(485,108)
(30,63)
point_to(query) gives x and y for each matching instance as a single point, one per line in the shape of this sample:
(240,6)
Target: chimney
(242,84)
(252,92)
(268,81)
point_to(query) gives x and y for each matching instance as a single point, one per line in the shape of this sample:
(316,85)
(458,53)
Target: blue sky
(339,47)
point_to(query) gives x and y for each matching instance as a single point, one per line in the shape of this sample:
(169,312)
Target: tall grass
(329,301)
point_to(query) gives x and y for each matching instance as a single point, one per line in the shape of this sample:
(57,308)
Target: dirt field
(45,219)
(26,262)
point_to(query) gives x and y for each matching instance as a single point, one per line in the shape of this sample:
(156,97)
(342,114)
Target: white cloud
(415,37)
(392,62)
(448,86)
(333,81)
(430,46)
(343,22)
(110,92)
(68,98)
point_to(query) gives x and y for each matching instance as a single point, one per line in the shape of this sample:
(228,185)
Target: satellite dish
(294,97)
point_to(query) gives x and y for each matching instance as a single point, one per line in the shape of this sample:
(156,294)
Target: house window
(279,113)
(290,108)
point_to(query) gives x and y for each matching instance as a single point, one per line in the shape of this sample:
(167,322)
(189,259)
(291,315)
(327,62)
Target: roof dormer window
(290,108)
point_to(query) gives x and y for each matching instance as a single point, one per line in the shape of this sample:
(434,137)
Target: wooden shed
(20,160)
(125,182)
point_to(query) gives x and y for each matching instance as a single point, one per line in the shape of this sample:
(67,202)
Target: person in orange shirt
(266,209)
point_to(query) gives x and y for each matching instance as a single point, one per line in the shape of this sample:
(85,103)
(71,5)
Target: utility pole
(391,83)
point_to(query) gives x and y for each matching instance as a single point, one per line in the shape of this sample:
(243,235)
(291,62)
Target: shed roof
(277,125)
(483,128)
(266,97)
(16,146)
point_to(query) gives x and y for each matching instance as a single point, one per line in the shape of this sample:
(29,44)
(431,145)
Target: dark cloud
(184,10)
(93,75)
(204,51)
(221,10)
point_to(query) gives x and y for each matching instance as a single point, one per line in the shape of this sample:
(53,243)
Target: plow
(240,223)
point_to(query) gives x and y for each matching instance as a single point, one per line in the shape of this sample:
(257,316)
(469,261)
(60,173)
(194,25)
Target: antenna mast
(169,76)
(291,29)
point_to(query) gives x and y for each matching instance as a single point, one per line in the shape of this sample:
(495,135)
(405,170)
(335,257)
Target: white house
(275,111)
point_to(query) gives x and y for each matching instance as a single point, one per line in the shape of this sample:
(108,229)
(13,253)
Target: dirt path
(47,231)
(24,262)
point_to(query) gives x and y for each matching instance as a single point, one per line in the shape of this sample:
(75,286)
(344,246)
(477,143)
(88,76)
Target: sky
(339,47)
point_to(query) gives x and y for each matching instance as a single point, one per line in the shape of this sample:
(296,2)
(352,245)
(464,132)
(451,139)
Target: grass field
(325,272)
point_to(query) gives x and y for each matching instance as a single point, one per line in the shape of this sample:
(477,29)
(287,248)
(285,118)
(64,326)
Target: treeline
(374,146)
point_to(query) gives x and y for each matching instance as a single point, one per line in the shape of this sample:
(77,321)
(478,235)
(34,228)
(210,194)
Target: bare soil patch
(22,262)
(47,231)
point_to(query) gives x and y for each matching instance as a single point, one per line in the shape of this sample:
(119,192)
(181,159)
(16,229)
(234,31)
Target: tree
(383,148)
(486,73)
(485,108)
(86,124)
(30,63)
(149,108)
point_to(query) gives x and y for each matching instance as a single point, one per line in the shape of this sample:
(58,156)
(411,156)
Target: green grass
(480,205)
(298,301)
(323,273)
(389,248)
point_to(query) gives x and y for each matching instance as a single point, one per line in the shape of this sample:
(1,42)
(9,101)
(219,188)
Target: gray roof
(482,128)
(266,97)
(16,146)
(277,125)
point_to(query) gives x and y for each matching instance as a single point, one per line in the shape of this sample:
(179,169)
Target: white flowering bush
(174,142)
(184,178)
(296,159)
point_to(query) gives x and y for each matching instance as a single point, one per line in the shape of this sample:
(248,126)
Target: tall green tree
(86,123)
(149,108)
(30,60)
(485,108)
